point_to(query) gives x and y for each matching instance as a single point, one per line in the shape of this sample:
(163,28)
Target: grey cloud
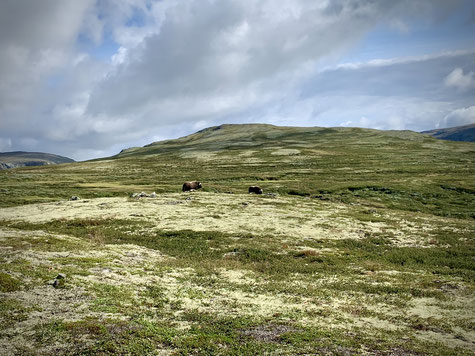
(38,25)
(45,82)
(5,144)
(214,61)
(423,77)
(390,94)
(36,37)
(207,50)
(189,63)
(400,94)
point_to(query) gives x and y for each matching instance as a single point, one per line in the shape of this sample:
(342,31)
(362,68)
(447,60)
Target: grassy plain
(364,246)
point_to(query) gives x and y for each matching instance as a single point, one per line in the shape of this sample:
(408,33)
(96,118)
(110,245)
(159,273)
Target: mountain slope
(458,133)
(362,238)
(402,169)
(22,159)
(247,136)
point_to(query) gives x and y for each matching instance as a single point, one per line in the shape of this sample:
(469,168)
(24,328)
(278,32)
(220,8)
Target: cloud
(459,80)
(406,77)
(217,60)
(122,73)
(212,61)
(32,46)
(5,144)
(459,117)
(37,40)
(47,75)
(399,93)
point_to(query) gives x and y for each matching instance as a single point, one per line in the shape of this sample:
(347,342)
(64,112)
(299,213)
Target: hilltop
(458,133)
(247,136)
(26,159)
(362,243)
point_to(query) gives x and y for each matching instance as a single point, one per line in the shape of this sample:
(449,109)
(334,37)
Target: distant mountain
(458,133)
(23,159)
(260,136)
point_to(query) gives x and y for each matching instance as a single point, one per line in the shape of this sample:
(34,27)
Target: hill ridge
(15,159)
(224,136)
(457,133)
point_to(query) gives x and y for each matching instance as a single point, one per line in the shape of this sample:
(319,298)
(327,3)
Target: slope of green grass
(365,247)
(401,170)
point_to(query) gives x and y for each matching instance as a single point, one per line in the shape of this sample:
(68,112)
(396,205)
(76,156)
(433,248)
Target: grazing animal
(190,186)
(255,189)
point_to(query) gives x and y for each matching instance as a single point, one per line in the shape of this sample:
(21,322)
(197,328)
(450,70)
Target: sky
(85,79)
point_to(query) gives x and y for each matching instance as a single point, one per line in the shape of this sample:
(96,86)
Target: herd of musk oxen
(192,186)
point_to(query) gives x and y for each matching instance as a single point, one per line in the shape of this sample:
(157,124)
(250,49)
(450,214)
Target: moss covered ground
(364,246)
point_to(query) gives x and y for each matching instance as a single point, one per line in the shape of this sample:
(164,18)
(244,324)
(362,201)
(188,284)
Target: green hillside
(362,243)
(401,169)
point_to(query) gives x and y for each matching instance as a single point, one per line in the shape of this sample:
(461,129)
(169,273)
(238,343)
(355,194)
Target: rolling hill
(458,133)
(246,136)
(362,243)
(26,159)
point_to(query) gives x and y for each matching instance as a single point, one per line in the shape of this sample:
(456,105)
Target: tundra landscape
(237,177)
(362,242)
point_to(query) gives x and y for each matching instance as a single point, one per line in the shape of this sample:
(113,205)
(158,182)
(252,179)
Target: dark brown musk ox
(191,186)
(255,189)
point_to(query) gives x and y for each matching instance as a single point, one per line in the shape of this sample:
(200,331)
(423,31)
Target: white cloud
(119,57)
(402,60)
(459,117)
(169,67)
(459,80)
(346,123)
(212,60)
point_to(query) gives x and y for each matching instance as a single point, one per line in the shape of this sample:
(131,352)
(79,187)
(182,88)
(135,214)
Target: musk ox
(255,189)
(190,186)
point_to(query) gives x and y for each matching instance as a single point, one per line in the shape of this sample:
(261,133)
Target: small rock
(153,195)
(174,202)
(449,287)
(75,197)
(139,195)
(59,280)
(58,283)
(230,254)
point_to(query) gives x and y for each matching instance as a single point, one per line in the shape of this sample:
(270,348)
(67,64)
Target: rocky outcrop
(143,195)
(4,165)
